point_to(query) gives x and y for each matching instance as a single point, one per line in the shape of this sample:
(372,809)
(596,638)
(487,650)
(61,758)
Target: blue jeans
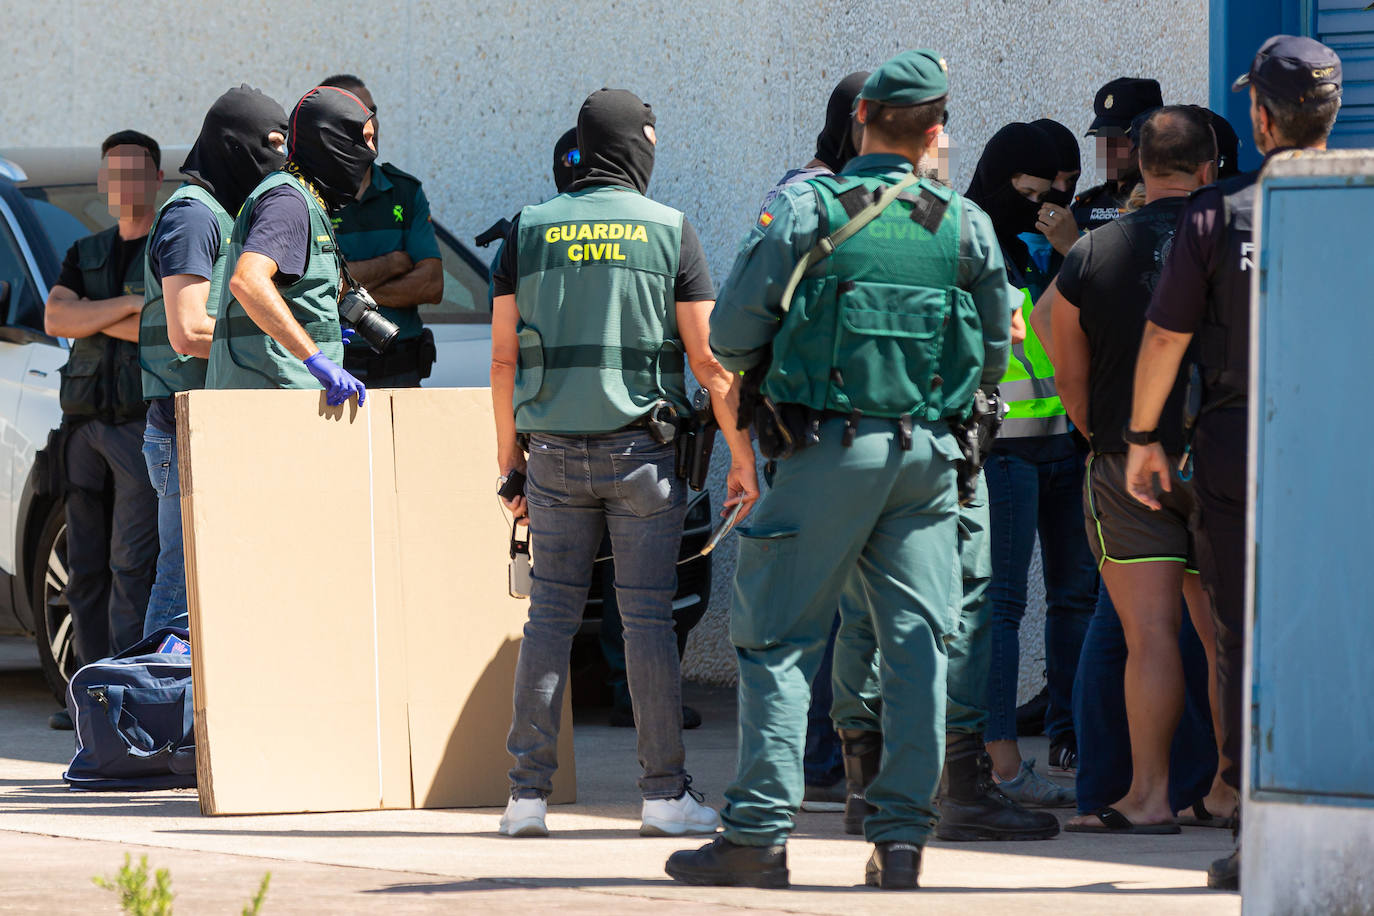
(580,486)
(167,600)
(822,757)
(1099,716)
(1025,497)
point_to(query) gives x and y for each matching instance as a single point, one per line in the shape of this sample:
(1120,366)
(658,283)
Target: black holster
(976,436)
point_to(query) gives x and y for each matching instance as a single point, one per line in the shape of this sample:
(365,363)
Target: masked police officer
(388,240)
(1204,290)
(599,294)
(280,328)
(187,259)
(1117,103)
(111,551)
(873,349)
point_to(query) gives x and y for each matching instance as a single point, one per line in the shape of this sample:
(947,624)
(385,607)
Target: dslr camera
(359,310)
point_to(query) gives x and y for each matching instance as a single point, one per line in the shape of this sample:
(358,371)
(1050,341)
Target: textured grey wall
(473,93)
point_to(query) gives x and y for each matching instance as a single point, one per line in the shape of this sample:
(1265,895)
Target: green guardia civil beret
(910,78)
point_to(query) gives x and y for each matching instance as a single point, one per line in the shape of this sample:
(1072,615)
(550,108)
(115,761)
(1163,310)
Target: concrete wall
(473,94)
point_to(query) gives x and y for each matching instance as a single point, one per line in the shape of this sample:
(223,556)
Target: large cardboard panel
(454,539)
(279,512)
(353,641)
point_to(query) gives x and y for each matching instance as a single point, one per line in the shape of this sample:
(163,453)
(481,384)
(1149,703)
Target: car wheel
(52,614)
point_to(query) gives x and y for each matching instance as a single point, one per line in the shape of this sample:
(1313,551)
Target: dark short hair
(1302,124)
(1177,138)
(133,138)
(344,81)
(903,123)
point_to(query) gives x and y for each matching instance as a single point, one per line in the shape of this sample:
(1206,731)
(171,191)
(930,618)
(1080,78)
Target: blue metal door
(1348,28)
(1313,648)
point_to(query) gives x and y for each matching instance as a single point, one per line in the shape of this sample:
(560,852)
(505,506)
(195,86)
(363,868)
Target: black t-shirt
(280,229)
(186,242)
(124,252)
(693,282)
(1110,274)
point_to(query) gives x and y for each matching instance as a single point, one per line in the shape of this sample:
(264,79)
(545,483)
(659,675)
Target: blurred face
(1030,187)
(129,181)
(938,162)
(1115,158)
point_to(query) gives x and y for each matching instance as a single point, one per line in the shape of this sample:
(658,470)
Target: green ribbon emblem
(397,212)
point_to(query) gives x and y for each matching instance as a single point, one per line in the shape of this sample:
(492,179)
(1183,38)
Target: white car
(49,199)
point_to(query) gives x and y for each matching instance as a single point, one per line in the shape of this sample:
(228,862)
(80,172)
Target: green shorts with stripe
(1122,530)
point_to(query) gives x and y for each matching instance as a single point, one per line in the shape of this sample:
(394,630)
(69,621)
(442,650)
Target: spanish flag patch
(765,218)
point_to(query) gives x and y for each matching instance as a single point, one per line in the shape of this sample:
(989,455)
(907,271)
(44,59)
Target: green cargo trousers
(858,701)
(871,517)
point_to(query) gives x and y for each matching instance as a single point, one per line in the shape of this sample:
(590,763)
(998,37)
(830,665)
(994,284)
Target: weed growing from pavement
(138,898)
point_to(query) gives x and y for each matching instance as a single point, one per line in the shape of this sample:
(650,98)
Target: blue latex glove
(338,384)
(348,336)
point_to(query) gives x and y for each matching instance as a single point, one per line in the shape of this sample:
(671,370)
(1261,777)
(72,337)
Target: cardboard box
(353,643)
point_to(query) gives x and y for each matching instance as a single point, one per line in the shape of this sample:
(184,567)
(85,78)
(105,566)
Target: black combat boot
(863,753)
(894,866)
(971,805)
(721,863)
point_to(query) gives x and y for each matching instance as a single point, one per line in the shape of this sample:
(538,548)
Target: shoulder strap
(829,243)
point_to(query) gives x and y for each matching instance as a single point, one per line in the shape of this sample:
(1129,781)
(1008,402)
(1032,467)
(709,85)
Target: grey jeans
(579,486)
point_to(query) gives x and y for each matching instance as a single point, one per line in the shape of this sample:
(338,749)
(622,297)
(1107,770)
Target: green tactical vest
(102,379)
(165,371)
(1034,408)
(242,355)
(880,326)
(599,343)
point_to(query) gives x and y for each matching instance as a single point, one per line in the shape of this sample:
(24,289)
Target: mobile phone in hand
(513,487)
(723,529)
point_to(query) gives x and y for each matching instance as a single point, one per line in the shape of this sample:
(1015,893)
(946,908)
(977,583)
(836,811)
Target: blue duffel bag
(133,716)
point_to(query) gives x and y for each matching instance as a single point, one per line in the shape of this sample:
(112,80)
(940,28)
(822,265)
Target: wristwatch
(1136,437)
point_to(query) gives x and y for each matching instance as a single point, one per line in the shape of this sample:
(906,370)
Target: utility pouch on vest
(521,575)
(79,391)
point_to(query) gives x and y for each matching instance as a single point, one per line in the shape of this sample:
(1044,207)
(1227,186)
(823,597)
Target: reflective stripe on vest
(242,355)
(165,371)
(1027,387)
(599,343)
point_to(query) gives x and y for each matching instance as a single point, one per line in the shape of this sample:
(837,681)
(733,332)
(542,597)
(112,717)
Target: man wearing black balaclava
(1034,477)
(287,274)
(600,293)
(1056,222)
(240,142)
(836,144)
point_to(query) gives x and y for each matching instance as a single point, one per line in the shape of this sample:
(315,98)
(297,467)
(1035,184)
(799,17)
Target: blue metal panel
(1237,29)
(1314,631)
(1347,28)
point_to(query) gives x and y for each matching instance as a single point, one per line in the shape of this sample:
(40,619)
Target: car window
(465,287)
(71,211)
(23,303)
(61,227)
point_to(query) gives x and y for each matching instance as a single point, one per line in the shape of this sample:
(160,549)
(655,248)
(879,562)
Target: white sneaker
(677,817)
(525,817)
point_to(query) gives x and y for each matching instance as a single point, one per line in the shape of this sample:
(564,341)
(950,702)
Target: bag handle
(114,707)
(827,245)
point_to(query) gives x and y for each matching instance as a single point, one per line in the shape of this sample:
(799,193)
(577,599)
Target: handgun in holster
(696,454)
(976,436)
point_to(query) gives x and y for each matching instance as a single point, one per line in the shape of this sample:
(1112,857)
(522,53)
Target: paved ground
(52,842)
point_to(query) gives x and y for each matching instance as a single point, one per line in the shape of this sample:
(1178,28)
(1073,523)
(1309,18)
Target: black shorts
(1123,530)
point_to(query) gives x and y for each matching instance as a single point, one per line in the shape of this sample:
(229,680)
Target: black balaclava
(1015,149)
(232,154)
(1068,158)
(1228,146)
(611,138)
(326,143)
(835,143)
(565,172)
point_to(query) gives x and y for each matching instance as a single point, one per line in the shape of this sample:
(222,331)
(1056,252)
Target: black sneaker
(825,798)
(60,721)
(721,863)
(1224,875)
(1064,757)
(894,866)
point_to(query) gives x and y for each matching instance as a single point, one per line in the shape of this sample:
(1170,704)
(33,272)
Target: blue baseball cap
(1294,68)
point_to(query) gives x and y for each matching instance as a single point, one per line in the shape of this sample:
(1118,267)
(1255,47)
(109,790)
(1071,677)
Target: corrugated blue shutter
(1346,27)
